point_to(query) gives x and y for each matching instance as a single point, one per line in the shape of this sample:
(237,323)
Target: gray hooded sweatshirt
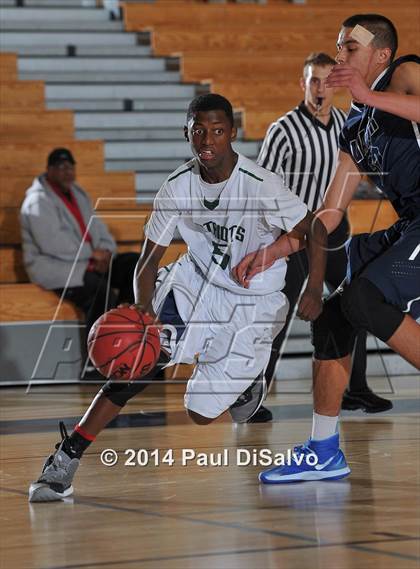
(53,253)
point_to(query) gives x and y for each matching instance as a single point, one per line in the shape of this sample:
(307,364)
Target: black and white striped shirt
(303,151)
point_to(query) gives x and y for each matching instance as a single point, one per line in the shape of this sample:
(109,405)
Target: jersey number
(219,256)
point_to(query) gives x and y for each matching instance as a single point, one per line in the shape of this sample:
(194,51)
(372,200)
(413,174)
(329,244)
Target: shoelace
(63,431)
(64,444)
(303,449)
(64,434)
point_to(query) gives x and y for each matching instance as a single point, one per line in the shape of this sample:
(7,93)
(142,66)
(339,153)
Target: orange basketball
(124,344)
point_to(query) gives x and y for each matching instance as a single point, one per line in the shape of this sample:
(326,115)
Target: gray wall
(40,352)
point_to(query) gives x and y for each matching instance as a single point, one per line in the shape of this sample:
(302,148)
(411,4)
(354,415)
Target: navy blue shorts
(390,259)
(169,315)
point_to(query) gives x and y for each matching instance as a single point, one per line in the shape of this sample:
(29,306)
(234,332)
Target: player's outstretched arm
(261,260)
(315,233)
(145,275)
(340,192)
(401,99)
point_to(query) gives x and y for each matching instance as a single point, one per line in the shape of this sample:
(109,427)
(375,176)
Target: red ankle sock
(84,434)
(80,440)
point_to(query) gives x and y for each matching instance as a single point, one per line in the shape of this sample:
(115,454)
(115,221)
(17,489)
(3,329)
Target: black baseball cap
(59,155)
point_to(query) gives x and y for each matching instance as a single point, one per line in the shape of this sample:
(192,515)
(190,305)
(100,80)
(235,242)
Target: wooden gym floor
(193,517)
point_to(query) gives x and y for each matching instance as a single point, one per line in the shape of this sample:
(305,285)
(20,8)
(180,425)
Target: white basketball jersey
(221,223)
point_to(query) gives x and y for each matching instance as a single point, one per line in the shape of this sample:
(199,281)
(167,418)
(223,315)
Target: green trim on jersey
(211,205)
(251,174)
(179,173)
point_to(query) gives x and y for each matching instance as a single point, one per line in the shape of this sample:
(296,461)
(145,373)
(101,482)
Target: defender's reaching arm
(336,201)
(402,98)
(310,231)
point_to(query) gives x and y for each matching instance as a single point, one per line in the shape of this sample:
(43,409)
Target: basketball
(124,344)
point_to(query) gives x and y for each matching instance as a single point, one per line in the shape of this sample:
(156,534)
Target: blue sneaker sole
(308,476)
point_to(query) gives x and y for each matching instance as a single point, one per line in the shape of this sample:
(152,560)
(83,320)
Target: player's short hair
(382,28)
(210,102)
(317,58)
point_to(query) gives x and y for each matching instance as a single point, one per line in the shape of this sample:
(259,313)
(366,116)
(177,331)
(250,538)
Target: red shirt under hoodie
(71,204)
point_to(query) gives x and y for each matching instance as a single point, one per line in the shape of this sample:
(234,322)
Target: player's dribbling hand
(310,305)
(346,76)
(147,312)
(141,309)
(252,264)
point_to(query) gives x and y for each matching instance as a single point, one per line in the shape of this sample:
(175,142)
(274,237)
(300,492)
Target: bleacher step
(176,150)
(113,105)
(55,39)
(65,25)
(121,91)
(72,50)
(162,167)
(137,134)
(103,77)
(129,120)
(53,15)
(91,64)
(51,3)
(147,183)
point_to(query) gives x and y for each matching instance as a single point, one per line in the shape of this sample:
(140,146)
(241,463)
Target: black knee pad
(119,392)
(333,336)
(365,307)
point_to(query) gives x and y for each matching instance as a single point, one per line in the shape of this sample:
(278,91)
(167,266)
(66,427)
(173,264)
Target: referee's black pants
(297,271)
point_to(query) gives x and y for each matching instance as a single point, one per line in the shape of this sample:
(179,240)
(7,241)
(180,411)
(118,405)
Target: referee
(302,147)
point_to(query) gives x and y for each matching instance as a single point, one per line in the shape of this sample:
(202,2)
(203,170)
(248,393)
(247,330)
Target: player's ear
(302,83)
(186,134)
(384,55)
(233,133)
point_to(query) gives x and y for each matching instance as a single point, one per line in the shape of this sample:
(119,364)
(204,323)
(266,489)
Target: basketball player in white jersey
(224,206)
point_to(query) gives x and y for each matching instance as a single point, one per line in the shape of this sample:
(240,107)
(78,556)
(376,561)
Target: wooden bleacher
(171,15)
(8,67)
(21,95)
(20,124)
(170,41)
(253,54)
(23,117)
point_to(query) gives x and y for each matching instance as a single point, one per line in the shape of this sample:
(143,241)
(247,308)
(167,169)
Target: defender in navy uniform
(387,148)
(381,139)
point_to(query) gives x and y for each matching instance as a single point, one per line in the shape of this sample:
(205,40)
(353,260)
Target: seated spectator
(67,248)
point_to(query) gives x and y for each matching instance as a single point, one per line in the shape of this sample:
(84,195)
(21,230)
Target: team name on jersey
(225,233)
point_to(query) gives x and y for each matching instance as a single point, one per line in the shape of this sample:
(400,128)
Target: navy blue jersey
(386,148)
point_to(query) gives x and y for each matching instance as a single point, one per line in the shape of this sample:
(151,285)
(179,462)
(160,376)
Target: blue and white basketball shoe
(314,460)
